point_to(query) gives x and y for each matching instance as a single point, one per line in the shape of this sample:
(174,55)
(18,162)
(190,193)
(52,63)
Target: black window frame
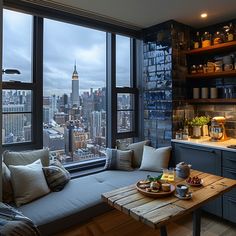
(35,86)
(113,91)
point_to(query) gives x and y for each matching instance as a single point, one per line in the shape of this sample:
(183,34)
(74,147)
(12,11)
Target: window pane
(16,127)
(17,45)
(125,101)
(17,100)
(74,105)
(125,121)
(122,61)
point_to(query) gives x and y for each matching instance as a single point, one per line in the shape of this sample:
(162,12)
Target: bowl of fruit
(194,181)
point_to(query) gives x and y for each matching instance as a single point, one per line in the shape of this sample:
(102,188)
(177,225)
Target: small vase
(196,131)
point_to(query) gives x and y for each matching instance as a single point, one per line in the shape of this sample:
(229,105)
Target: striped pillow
(56,176)
(118,159)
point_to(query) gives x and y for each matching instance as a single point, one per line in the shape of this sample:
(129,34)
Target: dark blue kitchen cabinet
(203,159)
(229,199)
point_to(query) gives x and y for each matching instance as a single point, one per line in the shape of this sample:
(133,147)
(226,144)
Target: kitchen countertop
(205,142)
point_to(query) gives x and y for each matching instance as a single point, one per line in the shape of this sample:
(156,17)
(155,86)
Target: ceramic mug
(182,190)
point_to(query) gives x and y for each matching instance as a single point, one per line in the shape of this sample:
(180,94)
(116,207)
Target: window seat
(79,201)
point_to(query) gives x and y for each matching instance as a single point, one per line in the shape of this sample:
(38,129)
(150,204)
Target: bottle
(230,33)
(217,38)
(206,40)
(197,41)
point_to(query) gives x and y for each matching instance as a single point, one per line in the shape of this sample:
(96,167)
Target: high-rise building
(75,89)
(13,124)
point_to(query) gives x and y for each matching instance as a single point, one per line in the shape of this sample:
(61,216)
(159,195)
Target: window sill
(78,174)
(86,167)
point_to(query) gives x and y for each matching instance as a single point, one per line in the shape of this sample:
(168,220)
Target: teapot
(183,170)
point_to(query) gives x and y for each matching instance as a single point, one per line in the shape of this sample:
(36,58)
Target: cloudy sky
(63,45)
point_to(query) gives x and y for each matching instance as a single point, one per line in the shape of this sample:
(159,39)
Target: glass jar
(193,69)
(197,41)
(229,32)
(200,69)
(206,40)
(218,38)
(179,134)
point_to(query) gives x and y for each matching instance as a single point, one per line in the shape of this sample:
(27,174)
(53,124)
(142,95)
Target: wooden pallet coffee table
(158,212)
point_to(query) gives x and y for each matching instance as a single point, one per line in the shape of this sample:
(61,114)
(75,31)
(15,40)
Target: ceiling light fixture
(204,15)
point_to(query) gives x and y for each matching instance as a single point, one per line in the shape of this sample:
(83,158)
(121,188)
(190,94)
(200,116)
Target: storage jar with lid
(206,40)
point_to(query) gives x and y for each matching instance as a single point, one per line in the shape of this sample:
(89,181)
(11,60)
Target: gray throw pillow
(56,176)
(118,159)
(7,191)
(28,182)
(138,152)
(27,157)
(155,159)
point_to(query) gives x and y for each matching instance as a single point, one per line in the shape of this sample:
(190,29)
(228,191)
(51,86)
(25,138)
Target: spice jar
(200,69)
(179,134)
(218,65)
(210,66)
(193,69)
(206,40)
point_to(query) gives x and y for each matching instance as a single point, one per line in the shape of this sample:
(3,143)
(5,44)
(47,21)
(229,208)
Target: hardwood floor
(116,223)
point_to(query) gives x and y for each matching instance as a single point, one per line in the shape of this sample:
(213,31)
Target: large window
(74,92)
(17,94)
(62,86)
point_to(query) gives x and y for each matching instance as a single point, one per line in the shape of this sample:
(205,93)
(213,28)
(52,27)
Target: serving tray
(155,195)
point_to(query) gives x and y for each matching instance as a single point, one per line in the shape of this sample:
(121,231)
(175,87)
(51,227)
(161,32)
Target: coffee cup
(182,190)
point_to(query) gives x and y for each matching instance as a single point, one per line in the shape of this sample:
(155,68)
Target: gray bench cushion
(79,201)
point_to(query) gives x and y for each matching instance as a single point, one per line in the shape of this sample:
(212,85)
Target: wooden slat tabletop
(159,211)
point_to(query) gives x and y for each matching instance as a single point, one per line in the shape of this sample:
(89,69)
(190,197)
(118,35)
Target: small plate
(188,196)
(195,184)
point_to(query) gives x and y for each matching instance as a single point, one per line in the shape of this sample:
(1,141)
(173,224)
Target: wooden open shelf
(213,48)
(231,73)
(211,101)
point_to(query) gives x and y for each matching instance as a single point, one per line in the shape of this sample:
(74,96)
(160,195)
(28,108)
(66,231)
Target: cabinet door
(203,159)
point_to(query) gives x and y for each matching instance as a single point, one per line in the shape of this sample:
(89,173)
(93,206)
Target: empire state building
(75,89)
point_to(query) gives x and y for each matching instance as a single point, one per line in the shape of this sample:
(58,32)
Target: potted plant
(199,124)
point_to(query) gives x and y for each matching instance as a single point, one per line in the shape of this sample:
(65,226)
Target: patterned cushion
(57,176)
(14,223)
(7,191)
(118,159)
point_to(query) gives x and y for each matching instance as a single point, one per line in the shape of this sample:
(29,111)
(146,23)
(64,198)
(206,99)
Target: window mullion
(111,90)
(38,81)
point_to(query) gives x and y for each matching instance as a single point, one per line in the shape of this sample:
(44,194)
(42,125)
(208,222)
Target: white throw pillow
(155,159)
(138,152)
(28,182)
